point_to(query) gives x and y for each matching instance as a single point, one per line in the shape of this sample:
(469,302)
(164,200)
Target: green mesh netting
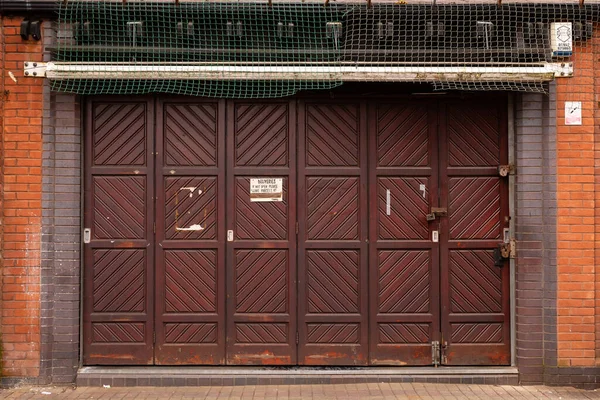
(254,49)
(206,33)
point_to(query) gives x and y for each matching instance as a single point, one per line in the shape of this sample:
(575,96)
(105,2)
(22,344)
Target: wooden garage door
(119,211)
(186,266)
(190,238)
(404,261)
(445,157)
(475,293)
(332,234)
(261,247)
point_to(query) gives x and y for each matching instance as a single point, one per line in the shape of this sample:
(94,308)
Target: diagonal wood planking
(474,208)
(404,281)
(402,136)
(474,139)
(262,135)
(332,135)
(190,134)
(333,212)
(261,281)
(119,280)
(119,207)
(333,281)
(259,220)
(408,209)
(475,283)
(190,281)
(119,132)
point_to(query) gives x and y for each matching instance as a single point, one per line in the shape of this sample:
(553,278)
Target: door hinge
(296,228)
(154,338)
(435,353)
(297,338)
(154,228)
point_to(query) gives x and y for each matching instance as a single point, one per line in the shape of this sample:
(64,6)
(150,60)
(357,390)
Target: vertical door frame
(510,116)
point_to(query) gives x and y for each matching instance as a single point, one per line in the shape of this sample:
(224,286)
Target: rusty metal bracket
(443,349)
(435,353)
(34,69)
(505,250)
(505,170)
(437,212)
(561,70)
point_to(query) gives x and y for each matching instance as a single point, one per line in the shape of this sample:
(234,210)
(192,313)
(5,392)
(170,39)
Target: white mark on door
(191,189)
(194,227)
(388,199)
(423,189)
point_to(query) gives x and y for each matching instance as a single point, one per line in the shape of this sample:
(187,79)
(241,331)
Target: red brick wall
(597,193)
(577,215)
(22,196)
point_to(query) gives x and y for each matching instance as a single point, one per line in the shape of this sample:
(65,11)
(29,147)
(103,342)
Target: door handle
(437,212)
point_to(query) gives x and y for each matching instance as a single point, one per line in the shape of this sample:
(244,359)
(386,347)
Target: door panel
(475,293)
(118,209)
(260,220)
(190,285)
(261,269)
(332,221)
(404,268)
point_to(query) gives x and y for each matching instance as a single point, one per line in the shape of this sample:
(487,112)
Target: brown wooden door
(404,262)
(423,291)
(190,235)
(215,280)
(475,293)
(332,234)
(261,247)
(119,258)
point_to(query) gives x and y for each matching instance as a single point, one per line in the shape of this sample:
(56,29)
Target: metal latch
(34,69)
(435,353)
(443,348)
(437,212)
(505,170)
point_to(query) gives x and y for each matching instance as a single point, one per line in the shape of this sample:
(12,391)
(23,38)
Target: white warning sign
(266,189)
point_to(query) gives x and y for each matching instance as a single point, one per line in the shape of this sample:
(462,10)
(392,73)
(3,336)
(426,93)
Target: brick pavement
(372,391)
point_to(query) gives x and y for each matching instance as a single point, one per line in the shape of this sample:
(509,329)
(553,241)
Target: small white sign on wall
(561,39)
(573,113)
